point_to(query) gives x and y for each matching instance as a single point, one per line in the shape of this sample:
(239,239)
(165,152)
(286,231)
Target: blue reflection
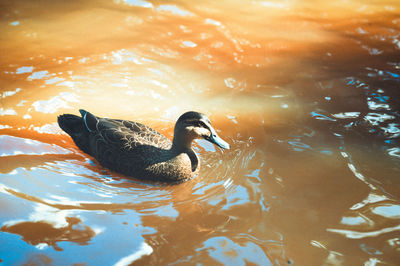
(238,196)
(352,220)
(255,173)
(227,252)
(299,146)
(39,74)
(380,97)
(201,189)
(24,69)
(326,152)
(15,146)
(11,242)
(321,116)
(370,250)
(165,211)
(126,228)
(206,145)
(393,74)
(395,152)
(189,44)
(54,80)
(140,3)
(174,10)
(388,211)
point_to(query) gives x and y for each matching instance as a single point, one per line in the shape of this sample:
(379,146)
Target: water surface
(306,93)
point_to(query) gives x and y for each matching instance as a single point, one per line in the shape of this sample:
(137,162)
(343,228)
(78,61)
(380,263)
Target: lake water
(307,93)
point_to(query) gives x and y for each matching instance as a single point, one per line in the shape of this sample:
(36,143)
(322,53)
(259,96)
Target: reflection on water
(306,93)
(42,234)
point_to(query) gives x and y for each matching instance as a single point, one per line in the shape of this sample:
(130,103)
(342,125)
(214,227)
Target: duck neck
(184,145)
(181,143)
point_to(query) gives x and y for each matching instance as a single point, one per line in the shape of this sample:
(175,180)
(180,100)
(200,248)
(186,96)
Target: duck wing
(128,135)
(129,147)
(123,133)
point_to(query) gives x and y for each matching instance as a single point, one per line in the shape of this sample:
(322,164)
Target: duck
(136,150)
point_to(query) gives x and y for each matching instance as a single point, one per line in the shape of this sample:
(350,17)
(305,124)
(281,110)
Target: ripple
(227,252)
(213,22)
(189,44)
(346,115)
(144,249)
(15,146)
(55,103)
(140,3)
(163,211)
(123,56)
(211,193)
(38,75)
(5,126)
(9,93)
(395,152)
(24,69)
(372,197)
(353,221)
(237,196)
(359,235)
(52,128)
(376,118)
(392,130)
(321,116)
(54,80)
(391,211)
(14,23)
(372,105)
(174,10)
(8,111)
(230,82)
(372,51)
(299,146)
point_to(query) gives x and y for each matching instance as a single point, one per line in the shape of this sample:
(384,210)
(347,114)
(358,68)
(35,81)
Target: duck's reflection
(42,233)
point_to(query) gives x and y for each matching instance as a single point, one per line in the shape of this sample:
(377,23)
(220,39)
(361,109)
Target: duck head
(194,125)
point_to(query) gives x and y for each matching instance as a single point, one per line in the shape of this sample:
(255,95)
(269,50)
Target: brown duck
(139,151)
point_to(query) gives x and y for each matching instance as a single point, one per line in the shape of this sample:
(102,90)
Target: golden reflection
(306,91)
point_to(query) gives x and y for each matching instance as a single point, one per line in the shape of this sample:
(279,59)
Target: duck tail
(74,126)
(71,124)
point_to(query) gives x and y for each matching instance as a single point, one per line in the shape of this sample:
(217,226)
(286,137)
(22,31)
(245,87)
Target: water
(306,93)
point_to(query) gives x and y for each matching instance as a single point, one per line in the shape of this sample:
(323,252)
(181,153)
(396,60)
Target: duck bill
(214,138)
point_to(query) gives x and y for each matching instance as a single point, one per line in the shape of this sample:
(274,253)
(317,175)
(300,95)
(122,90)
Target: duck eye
(200,124)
